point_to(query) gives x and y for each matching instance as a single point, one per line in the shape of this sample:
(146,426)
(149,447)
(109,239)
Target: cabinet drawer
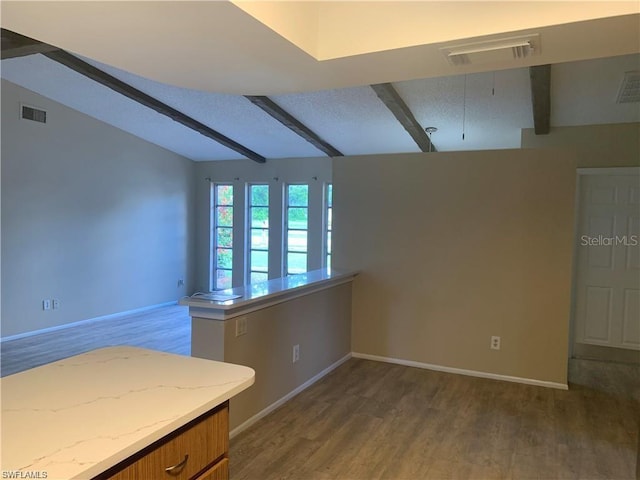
(204,442)
(220,471)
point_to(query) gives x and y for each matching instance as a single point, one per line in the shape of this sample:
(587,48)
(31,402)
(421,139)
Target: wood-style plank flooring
(166,329)
(369,420)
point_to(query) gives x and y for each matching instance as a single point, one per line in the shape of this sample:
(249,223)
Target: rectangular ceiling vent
(630,88)
(493,51)
(33,114)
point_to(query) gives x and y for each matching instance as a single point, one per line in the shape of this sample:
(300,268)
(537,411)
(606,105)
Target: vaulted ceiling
(361,97)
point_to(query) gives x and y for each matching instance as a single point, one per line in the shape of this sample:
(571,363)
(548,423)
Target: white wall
(276,173)
(91,215)
(454,248)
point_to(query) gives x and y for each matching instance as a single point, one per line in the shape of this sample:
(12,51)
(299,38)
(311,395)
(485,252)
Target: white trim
(462,371)
(609,171)
(85,322)
(263,413)
(574,262)
(408,363)
(627,171)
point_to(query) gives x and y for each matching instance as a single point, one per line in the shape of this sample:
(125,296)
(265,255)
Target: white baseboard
(84,322)
(409,363)
(263,413)
(461,371)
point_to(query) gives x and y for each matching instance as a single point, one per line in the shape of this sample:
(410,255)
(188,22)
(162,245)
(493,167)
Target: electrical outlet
(46,304)
(495,343)
(181,282)
(55,303)
(296,353)
(241,325)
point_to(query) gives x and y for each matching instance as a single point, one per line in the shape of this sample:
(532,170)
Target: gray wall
(91,215)
(454,248)
(613,145)
(320,323)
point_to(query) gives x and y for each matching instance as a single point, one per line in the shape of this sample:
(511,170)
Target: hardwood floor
(166,329)
(371,420)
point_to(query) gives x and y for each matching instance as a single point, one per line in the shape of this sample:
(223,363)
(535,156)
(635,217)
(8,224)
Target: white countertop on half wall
(260,295)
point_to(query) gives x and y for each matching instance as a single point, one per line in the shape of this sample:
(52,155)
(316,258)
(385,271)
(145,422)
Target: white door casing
(608,260)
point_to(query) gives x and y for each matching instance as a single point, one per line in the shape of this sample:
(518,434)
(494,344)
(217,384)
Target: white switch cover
(296,353)
(241,325)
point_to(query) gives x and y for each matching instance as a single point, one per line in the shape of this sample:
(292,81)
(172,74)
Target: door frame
(580,173)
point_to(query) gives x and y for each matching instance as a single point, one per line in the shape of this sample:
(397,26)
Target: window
(328,224)
(223,236)
(297,226)
(258,233)
(266,229)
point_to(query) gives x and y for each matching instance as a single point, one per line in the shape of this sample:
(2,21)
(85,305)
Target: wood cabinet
(220,471)
(197,451)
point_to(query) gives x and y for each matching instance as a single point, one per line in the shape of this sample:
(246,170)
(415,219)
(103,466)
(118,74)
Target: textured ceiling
(491,113)
(353,120)
(232,115)
(52,80)
(491,110)
(316,60)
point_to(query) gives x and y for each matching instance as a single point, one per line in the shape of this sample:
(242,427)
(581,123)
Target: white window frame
(285,228)
(214,234)
(327,256)
(249,229)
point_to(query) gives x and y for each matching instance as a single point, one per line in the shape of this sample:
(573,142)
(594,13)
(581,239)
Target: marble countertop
(259,295)
(77,417)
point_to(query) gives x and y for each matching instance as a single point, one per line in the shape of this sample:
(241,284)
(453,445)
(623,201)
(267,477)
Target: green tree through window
(297,228)
(258,233)
(223,236)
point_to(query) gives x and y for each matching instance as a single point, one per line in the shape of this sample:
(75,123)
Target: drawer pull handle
(175,470)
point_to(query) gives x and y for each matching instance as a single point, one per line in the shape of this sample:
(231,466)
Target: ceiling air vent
(630,88)
(33,114)
(500,50)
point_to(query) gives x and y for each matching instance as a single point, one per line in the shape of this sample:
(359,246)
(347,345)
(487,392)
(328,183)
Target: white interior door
(607,284)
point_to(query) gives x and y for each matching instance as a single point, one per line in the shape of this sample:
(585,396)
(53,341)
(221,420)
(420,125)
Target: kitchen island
(120,412)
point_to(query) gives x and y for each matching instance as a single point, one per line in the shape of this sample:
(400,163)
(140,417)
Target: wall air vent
(493,51)
(630,88)
(33,114)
